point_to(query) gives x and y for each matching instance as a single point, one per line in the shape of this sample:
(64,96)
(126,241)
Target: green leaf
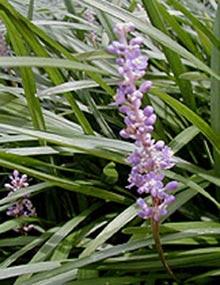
(194,75)
(61,233)
(195,22)
(6,273)
(202,276)
(29,246)
(190,183)
(214,93)
(156,16)
(111,149)
(110,173)
(28,79)
(109,280)
(183,138)
(47,62)
(71,86)
(57,237)
(10,225)
(25,192)
(190,116)
(113,227)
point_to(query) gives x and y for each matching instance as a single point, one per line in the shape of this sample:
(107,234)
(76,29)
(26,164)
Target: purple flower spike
(150,158)
(89,15)
(23,207)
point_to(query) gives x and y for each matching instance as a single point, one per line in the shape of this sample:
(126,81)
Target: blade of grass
(173,58)
(27,75)
(50,42)
(183,36)
(215,89)
(31,9)
(183,138)
(111,149)
(28,61)
(56,77)
(195,22)
(6,273)
(56,238)
(30,246)
(114,226)
(190,116)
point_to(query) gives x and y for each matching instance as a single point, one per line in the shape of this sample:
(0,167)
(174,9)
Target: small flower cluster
(23,207)
(4,50)
(90,17)
(150,157)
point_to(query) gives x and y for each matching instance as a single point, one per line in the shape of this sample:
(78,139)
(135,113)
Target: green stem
(69,6)
(31,10)
(156,235)
(215,87)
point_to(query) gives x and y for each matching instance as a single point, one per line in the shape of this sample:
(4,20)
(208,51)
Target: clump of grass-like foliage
(58,126)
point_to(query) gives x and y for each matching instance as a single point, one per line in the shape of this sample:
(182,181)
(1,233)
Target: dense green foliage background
(57,126)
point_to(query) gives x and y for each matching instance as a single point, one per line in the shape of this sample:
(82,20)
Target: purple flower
(150,158)
(23,207)
(4,49)
(90,17)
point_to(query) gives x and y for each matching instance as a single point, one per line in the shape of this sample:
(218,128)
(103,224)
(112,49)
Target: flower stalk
(156,236)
